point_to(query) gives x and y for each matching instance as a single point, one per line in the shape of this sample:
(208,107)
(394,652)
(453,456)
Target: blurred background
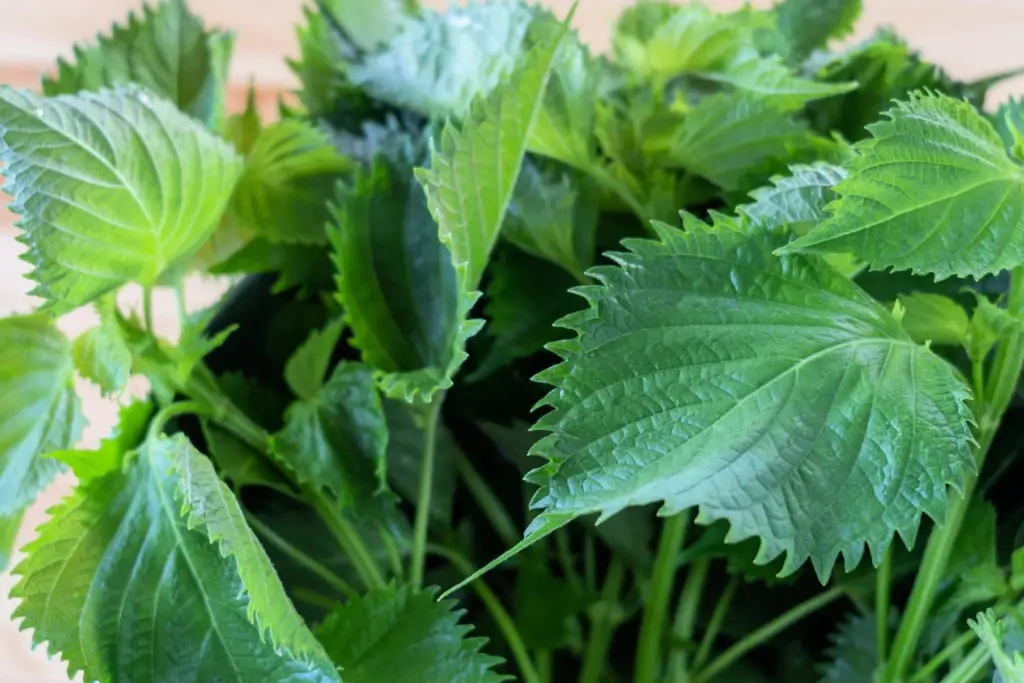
(970,38)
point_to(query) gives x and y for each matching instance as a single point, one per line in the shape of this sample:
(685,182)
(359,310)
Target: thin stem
(147,309)
(883,586)
(544,665)
(567,561)
(686,619)
(978,378)
(347,538)
(945,655)
(715,624)
(300,557)
(419,537)
(488,501)
(313,598)
(973,664)
(652,625)
(393,555)
(768,631)
(179,297)
(603,623)
(168,413)
(497,611)
(989,411)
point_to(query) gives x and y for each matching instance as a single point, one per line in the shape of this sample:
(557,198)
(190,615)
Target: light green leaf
(210,507)
(399,635)
(728,138)
(208,605)
(368,24)
(992,631)
(405,459)
(337,440)
(289,177)
(553,215)
(525,297)
(127,435)
(305,370)
(933,318)
(319,68)
(1009,123)
(396,282)
(797,200)
(809,24)
(166,50)
(436,65)
(932,192)
(39,411)
(112,187)
(853,653)
(9,527)
(769,79)
(686,387)
(989,324)
(101,353)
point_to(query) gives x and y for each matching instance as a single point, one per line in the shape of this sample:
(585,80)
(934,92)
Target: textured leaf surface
(127,435)
(727,138)
(399,635)
(772,393)
(932,192)
(769,79)
(933,318)
(122,538)
(289,177)
(797,200)
(101,353)
(337,440)
(396,281)
(111,187)
(439,63)
(39,411)
(166,50)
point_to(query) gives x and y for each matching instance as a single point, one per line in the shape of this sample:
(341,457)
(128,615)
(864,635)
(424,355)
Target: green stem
(179,296)
(313,598)
(686,619)
(301,558)
(989,411)
(419,535)
(768,631)
(652,625)
(603,623)
(497,611)
(488,501)
(589,563)
(393,555)
(715,624)
(544,665)
(168,413)
(973,664)
(347,538)
(945,655)
(883,587)
(147,309)
(568,562)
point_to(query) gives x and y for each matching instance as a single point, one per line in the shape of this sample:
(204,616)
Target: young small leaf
(306,368)
(39,411)
(399,635)
(337,439)
(932,192)
(989,324)
(728,138)
(132,423)
(240,464)
(123,536)
(933,318)
(101,353)
(166,50)
(289,177)
(992,632)
(854,651)
(687,386)
(136,186)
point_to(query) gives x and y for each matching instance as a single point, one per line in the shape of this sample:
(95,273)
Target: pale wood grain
(970,37)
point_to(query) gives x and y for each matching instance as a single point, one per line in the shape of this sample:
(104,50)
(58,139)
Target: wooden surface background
(970,37)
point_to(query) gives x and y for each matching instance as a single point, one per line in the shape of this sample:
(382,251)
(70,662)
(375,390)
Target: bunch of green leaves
(464,217)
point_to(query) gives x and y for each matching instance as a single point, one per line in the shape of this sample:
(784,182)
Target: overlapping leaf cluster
(742,288)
